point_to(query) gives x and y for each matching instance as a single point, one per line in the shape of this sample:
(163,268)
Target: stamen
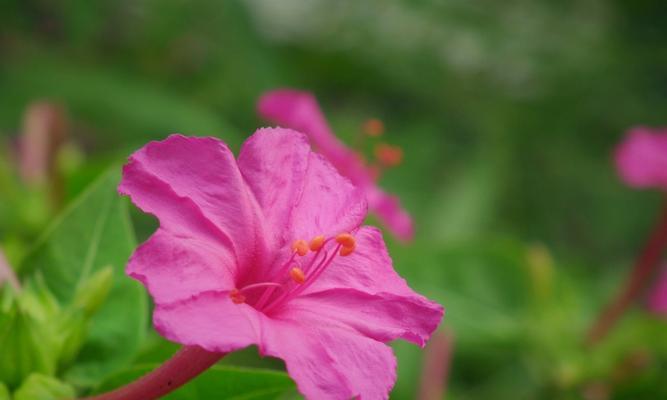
(346,244)
(236,296)
(345,240)
(317,243)
(300,247)
(346,251)
(297,275)
(388,155)
(373,127)
(260,285)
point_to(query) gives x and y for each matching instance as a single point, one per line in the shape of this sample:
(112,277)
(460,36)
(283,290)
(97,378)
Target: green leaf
(4,392)
(218,382)
(92,294)
(125,110)
(93,234)
(30,337)
(42,387)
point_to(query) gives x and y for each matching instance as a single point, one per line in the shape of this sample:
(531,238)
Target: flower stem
(643,270)
(185,365)
(436,366)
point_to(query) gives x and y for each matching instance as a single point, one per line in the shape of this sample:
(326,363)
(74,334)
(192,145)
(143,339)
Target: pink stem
(435,370)
(641,273)
(185,365)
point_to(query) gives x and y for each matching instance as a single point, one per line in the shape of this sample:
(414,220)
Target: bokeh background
(507,112)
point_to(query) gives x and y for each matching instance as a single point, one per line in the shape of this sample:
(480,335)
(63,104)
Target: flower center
(292,278)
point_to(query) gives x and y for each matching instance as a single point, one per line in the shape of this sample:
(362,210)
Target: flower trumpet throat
(321,252)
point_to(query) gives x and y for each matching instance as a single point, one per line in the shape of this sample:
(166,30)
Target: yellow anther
(300,247)
(345,240)
(317,243)
(236,296)
(297,275)
(346,251)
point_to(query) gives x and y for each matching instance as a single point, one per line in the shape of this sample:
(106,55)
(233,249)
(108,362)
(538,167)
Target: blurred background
(507,113)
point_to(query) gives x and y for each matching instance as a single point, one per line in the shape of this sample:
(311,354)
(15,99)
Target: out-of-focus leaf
(4,392)
(487,279)
(94,291)
(30,337)
(219,382)
(126,111)
(95,233)
(42,387)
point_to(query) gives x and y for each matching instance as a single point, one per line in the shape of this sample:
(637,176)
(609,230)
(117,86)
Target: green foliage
(82,256)
(29,334)
(42,387)
(507,113)
(4,392)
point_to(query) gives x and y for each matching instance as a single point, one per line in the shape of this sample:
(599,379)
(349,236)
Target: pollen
(300,247)
(345,240)
(297,275)
(236,296)
(346,251)
(317,243)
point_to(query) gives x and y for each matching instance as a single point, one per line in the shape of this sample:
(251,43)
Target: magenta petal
(176,268)
(369,268)
(302,194)
(383,316)
(641,159)
(363,291)
(193,186)
(211,321)
(391,213)
(331,363)
(300,111)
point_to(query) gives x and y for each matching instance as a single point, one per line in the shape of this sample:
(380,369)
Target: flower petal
(332,363)
(368,269)
(193,186)
(388,208)
(211,321)
(382,316)
(300,111)
(364,292)
(301,194)
(176,268)
(641,159)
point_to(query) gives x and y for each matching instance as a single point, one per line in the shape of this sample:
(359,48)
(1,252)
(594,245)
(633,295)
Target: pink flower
(641,159)
(269,250)
(300,111)
(657,300)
